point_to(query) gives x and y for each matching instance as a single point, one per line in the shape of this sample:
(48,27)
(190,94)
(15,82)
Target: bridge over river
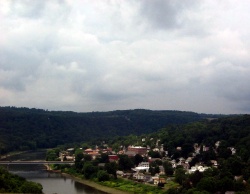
(36,162)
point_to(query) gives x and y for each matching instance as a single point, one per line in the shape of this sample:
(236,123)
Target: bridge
(36,162)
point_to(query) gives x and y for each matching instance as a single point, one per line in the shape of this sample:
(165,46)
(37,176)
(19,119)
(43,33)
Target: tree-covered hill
(24,128)
(230,131)
(221,145)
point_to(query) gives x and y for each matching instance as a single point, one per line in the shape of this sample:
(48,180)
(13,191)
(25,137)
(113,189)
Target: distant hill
(24,128)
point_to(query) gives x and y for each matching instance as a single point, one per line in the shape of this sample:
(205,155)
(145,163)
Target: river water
(53,183)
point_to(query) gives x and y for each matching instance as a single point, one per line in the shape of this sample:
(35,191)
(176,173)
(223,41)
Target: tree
(154,154)
(104,158)
(111,168)
(180,175)
(125,163)
(138,159)
(89,170)
(168,168)
(186,149)
(235,165)
(102,175)
(195,177)
(87,157)
(31,187)
(51,155)
(207,184)
(226,184)
(79,161)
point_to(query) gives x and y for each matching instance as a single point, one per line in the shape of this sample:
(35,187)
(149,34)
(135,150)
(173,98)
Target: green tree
(138,159)
(102,175)
(154,154)
(180,175)
(168,168)
(104,158)
(195,177)
(51,155)
(125,163)
(31,187)
(225,184)
(89,170)
(79,161)
(87,157)
(111,168)
(207,184)
(186,149)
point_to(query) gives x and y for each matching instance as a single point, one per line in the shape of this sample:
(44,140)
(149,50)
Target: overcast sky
(86,55)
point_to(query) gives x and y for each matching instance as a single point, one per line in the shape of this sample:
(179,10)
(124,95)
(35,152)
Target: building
(139,176)
(142,166)
(138,150)
(113,158)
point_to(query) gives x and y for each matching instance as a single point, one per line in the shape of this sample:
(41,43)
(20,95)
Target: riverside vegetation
(10,183)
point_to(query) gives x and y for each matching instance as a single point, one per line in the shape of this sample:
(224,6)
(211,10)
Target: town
(145,164)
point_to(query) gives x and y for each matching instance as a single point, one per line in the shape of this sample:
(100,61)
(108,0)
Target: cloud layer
(105,55)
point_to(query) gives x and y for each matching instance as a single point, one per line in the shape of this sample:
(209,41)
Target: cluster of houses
(141,172)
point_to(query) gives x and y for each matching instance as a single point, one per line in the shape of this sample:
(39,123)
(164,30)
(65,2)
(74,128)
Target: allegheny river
(52,182)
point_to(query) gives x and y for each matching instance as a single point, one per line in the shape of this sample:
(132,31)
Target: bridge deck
(36,162)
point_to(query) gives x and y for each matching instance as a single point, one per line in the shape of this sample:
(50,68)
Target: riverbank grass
(131,186)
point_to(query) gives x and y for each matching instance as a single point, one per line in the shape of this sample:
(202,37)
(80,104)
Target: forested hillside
(23,128)
(222,145)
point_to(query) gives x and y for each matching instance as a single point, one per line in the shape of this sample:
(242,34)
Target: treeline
(27,129)
(10,183)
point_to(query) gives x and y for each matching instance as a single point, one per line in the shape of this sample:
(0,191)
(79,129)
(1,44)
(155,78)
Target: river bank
(89,183)
(95,185)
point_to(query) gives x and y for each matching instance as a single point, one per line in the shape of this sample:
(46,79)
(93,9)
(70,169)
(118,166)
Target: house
(214,163)
(156,149)
(153,159)
(142,166)
(139,176)
(121,152)
(199,168)
(205,148)
(94,154)
(158,180)
(178,148)
(66,155)
(217,144)
(162,170)
(233,150)
(87,151)
(113,158)
(138,150)
(130,153)
(119,173)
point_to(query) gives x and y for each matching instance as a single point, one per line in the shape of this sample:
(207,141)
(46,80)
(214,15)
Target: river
(53,183)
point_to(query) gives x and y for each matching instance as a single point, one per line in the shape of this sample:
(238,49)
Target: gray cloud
(105,55)
(162,14)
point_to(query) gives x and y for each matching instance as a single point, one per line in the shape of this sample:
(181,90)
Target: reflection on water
(52,182)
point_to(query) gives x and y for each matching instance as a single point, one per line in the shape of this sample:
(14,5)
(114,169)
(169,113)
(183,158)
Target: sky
(103,55)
